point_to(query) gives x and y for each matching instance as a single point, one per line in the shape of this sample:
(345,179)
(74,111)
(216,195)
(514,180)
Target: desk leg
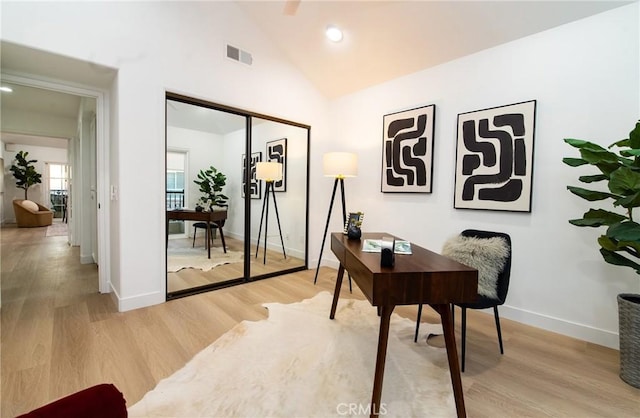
(336,292)
(208,238)
(383,337)
(452,353)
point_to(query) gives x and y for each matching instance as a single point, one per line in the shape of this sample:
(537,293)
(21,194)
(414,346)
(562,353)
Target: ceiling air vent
(239,55)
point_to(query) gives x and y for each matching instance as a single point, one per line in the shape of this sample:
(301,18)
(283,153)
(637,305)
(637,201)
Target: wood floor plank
(59,335)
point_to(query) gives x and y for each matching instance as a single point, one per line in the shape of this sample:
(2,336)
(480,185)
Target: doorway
(93,158)
(57,188)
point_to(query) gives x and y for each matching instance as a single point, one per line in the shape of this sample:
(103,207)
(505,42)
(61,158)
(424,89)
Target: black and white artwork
(494,158)
(255,185)
(407,150)
(277,152)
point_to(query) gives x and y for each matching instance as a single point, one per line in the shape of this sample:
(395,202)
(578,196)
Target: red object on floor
(100,401)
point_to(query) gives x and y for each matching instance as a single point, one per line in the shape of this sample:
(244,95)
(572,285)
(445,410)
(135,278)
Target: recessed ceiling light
(334,33)
(6,89)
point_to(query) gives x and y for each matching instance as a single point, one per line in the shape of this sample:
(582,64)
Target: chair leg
(194,237)
(464,335)
(415,338)
(495,313)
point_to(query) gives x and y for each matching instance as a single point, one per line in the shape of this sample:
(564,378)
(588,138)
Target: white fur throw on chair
(487,255)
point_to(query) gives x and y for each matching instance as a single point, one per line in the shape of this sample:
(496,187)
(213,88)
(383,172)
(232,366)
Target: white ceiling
(188,116)
(383,40)
(35,102)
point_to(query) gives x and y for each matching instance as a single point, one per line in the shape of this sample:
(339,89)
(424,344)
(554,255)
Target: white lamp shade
(340,164)
(269,171)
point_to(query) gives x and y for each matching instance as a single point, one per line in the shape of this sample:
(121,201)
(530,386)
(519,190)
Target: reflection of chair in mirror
(489,253)
(214,225)
(269,172)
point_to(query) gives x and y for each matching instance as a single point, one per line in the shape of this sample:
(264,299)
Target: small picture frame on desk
(354,219)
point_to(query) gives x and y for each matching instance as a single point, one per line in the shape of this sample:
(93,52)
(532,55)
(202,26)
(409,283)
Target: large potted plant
(620,244)
(25,172)
(211,182)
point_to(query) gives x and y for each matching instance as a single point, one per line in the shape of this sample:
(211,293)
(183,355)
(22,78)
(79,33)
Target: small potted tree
(25,172)
(620,244)
(211,182)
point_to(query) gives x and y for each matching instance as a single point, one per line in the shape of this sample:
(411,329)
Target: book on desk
(376,245)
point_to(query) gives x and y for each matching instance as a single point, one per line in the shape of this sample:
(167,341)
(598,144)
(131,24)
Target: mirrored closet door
(228,220)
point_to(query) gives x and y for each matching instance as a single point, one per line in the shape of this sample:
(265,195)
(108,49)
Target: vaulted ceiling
(383,40)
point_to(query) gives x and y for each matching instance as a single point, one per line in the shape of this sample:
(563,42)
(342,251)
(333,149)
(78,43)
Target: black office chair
(483,302)
(214,225)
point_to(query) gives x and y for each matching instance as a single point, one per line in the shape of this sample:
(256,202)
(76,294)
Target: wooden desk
(217,216)
(423,277)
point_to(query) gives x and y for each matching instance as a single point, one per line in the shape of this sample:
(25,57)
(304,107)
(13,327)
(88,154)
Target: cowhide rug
(196,258)
(299,363)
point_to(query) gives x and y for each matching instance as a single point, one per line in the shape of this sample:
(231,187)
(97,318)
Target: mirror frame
(248,115)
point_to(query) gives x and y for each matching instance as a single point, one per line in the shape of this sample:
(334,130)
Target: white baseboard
(138,301)
(561,326)
(86,259)
(548,323)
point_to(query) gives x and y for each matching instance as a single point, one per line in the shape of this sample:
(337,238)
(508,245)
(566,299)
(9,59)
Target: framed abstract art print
(494,158)
(407,151)
(255,185)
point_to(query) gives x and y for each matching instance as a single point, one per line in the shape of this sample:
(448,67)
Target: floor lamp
(338,165)
(269,172)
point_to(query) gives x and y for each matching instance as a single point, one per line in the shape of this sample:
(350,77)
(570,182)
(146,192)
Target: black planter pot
(629,334)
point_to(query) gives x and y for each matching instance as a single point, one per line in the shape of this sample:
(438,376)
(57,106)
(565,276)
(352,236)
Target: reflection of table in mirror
(422,277)
(216,217)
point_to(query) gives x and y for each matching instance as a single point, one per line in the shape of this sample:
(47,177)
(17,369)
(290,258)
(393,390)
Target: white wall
(158,47)
(585,78)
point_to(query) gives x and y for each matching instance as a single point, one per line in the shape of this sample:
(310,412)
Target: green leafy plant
(25,172)
(620,244)
(211,182)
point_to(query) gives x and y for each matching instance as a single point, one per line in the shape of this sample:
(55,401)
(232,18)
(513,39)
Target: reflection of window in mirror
(175,180)
(176,194)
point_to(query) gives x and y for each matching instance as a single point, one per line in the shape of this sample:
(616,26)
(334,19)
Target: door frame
(102,161)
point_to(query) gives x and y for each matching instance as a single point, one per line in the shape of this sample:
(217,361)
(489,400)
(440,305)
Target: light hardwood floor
(59,335)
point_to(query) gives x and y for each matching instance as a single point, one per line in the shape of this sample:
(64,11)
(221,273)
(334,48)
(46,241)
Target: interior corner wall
(585,78)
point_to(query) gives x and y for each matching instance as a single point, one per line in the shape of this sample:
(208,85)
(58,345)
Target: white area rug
(196,258)
(56,229)
(299,363)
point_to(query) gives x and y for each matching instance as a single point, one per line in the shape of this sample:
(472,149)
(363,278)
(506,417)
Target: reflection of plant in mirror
(211,182)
